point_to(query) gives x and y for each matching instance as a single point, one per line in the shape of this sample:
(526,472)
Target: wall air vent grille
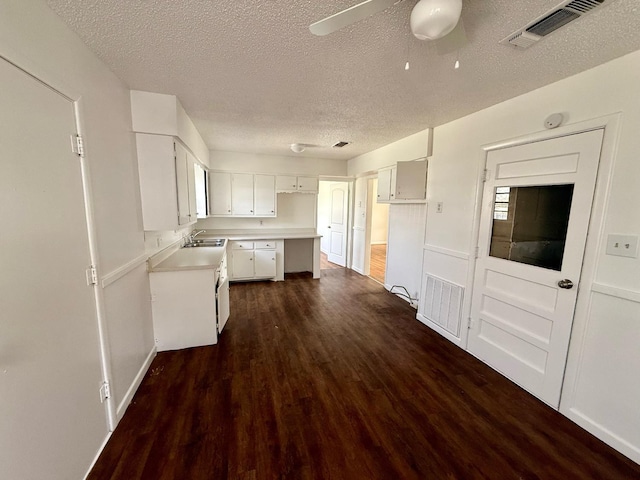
(341,144)
(443,304)
(551,21)
(583,6)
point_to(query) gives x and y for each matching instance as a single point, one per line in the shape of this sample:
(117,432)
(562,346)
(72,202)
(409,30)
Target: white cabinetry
(264,195)
(167,182)
(220,193)
(290,184)
(242,194)
(253,260)
(183,304)
(386,184)
(404,183)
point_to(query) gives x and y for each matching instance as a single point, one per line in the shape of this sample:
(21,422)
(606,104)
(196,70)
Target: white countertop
(197,258)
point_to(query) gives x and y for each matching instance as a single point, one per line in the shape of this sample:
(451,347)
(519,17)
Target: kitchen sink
(206,242)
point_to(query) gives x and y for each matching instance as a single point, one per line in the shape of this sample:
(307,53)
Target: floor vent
(443,304)
(551,21)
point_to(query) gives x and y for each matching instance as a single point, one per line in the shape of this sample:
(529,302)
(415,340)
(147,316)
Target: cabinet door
(182,184)
(308,184)
(191,187)
(265,195)
(392,184)
(286,183)
(265,263)
(220,193)
(411,180)
(384,185)
(242,194)
(242,264)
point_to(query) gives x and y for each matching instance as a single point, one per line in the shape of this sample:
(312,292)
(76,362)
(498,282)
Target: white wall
(412,147)
(379,220)
(32,36)
(295,211)
(404,247)
(600,390)
(255,163)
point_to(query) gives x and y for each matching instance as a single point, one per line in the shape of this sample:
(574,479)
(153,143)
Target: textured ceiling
(254,79)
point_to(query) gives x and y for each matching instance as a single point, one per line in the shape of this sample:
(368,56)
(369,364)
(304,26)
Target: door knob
(328,226)
(566,283)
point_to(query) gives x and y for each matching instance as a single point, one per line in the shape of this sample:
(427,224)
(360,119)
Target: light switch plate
(622,245)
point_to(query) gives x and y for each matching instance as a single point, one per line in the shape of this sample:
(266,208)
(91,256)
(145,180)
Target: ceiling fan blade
(349,16)
(453,41)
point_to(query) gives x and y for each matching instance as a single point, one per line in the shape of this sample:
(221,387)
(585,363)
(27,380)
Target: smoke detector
(566,12)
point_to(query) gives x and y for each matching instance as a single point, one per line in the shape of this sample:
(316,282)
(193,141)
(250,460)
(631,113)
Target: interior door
(49,349)
(338,224)
(535,216)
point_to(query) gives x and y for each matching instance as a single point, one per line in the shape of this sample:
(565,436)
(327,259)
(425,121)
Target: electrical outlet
(439,206)
(622,245)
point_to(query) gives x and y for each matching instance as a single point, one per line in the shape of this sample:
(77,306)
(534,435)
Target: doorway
(379,236)
(533,228)
(333,223)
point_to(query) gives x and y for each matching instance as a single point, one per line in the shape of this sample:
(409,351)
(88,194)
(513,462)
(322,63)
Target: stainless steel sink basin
(206,242)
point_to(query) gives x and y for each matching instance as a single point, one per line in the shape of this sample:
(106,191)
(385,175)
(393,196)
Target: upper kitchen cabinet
(242,195)
(167,182)
(404,183)
(163,115)
(292,184)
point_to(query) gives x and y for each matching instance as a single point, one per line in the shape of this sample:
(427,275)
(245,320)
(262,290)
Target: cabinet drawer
(265,245)
(242,245)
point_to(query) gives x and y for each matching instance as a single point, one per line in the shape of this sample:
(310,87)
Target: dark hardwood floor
(335,379)
(325,264)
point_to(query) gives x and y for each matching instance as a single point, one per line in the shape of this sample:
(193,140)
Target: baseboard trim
(607,436)
(452,338)
(122,407)
(357,270)
(98,453)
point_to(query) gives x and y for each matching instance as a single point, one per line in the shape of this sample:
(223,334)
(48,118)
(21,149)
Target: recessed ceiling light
(297,148)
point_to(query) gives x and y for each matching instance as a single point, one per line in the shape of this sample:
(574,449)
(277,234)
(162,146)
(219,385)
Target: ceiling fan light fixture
(297,147)
(433,19)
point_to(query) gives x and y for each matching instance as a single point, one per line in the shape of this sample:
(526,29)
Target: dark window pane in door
(531,226)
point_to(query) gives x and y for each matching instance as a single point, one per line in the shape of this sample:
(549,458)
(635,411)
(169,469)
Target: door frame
(611,126)
(42,75)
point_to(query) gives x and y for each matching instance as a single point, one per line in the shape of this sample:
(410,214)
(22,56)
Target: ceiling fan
(430,19)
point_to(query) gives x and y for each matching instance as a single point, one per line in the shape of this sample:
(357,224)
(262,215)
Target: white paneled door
(52,419)
(535,216)
(338,224)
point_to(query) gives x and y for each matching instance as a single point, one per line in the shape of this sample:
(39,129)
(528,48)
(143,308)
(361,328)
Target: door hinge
(92,275)
(470,324)
(105,392)
(477,253)
(485,175)
(77,145)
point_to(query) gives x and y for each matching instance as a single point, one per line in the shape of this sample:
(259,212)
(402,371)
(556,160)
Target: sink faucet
(192,236)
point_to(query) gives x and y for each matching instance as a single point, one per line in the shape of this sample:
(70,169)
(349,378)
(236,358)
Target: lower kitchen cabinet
(253,260)
(183,305)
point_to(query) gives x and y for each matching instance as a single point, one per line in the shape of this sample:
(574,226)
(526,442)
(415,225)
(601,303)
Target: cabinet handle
(293,186)
(251,211)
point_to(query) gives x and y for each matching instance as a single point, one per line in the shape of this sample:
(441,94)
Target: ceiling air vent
(341,144)
(551,21)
